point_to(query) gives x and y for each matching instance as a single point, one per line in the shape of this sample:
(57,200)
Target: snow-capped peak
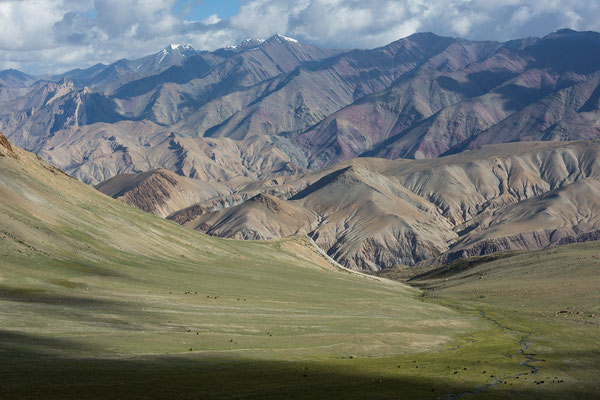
(289,39)
(182,49)
(251,41)
(177,46)
(246,44)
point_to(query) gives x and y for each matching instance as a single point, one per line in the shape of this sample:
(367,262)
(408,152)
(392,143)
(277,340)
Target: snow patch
(289,39)
(164,54)
(247,44)
(251,40)
(177,46)
(172,47)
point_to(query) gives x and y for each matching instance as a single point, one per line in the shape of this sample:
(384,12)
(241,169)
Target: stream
(529,359)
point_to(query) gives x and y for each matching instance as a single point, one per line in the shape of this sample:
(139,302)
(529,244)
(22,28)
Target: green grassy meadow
(99,300)
(551,297)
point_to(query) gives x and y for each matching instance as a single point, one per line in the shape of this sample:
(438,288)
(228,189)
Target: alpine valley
(195,136)
(279,220)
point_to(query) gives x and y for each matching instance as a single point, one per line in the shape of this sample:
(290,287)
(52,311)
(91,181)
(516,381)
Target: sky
(50,36)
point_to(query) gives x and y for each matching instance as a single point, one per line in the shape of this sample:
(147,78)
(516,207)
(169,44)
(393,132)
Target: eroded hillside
(373,213)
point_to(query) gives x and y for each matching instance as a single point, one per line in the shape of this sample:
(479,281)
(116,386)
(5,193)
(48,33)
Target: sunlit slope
(82,274)
(551,297)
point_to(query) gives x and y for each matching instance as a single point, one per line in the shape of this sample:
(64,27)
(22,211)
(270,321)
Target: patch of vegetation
(458,266)
(107,301)
(549,297)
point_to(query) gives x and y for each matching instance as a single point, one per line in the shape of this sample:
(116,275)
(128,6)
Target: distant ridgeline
(287,105)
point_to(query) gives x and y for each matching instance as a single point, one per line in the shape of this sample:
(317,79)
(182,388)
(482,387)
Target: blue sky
(48,36)
(198,10)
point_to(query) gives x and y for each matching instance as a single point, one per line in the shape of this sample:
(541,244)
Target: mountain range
(418,97)
(275,137)
(370,213)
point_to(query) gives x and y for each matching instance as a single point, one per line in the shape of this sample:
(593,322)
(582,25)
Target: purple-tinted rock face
(257,117)
(418,97)
(517,91)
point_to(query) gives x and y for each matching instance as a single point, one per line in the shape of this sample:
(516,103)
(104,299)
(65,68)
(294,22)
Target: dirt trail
(345,269)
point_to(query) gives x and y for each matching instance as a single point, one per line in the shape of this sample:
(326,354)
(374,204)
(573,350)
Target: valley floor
(549,300)
(100,300)
(530,326)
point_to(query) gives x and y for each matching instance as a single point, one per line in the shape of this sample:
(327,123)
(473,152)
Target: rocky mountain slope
(533,89)
(107,78)
(374,213)
(419,97)
(14,84)
(261,217)
(160,192)
(277,88)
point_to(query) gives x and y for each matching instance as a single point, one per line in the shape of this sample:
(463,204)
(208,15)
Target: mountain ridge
(370,213)
(276,116)
(239,95)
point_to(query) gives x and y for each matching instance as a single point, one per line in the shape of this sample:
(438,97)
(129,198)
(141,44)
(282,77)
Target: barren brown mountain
(201,134)
(374,213)
(161,192)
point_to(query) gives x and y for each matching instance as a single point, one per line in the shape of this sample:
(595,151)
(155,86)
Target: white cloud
(262,18)
(357,23)
(521,15)
(211,19)
(50,35)
(24,24)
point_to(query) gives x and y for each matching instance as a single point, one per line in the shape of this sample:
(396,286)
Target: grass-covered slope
(550,297)
(98,298)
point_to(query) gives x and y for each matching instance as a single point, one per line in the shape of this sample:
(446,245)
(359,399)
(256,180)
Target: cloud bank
(46,36)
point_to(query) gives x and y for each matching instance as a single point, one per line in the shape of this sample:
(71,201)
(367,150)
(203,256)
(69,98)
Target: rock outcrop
(5,147)
(160,192)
